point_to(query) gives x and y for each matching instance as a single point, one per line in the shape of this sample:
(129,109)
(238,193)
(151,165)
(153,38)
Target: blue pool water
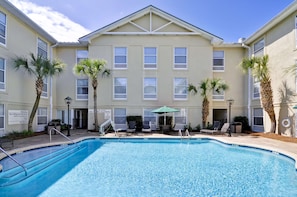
(163,168)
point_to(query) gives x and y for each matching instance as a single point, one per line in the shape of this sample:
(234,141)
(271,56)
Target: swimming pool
(155,167)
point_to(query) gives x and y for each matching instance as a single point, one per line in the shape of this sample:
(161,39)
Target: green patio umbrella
(164,110)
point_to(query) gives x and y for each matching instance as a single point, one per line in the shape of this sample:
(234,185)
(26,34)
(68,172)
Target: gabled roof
(162,29)
(277,19)
(22,17)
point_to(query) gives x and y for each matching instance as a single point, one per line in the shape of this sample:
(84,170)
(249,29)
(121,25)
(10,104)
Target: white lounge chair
(216,126)
(224,129)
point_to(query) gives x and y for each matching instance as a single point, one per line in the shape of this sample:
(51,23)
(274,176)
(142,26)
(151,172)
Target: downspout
(51,83)
(249,85)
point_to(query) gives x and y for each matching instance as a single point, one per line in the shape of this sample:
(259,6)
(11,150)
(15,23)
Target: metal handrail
(50,133)
(13,159)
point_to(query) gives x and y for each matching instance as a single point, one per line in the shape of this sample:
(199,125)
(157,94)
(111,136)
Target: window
(180,57)
(150,88)
(44,88)
(81,55)
(180,119)
(2,115)
(218,61)
(256,89)
(149,116)
(218,95)
(120,57)
(120,116)
(42,49)
(2,74)
(120,88)
(2,28)
(258,119)
(259,48)
(296,31)
(295,76)
(82,88)
(42,116)
(150,57)
(180,88)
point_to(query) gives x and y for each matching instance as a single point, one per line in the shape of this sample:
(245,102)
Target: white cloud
(55,23)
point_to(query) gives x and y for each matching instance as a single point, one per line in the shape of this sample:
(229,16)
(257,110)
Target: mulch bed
(276,137)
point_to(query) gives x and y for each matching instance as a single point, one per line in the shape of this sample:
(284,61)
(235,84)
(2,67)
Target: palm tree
(40,68)
(92,68)
(206,87)
(260,71)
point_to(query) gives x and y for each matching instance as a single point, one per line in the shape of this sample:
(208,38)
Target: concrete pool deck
(287,148)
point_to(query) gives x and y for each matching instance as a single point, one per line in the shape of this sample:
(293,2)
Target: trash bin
(236,127)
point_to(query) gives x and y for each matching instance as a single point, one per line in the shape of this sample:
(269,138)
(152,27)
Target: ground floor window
(2,115)
(150,117)
(42,116)
(258,124)
(120,117)
(180,119)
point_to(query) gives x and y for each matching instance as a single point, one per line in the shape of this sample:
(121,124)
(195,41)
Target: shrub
(245,122)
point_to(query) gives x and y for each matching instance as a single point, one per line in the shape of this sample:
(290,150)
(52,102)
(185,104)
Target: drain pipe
(249,81)
(51,83)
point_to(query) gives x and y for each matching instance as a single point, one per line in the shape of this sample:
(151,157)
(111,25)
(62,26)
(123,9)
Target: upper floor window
(296,31)
(218,61)
(45,88)
(42,116)
(82,88)
(2,74)
(218,95)
(120,88)
(180,57)
(2,115)
(180,88)
(120,57)
(256,89)
(150,88)
(2,28)
(42,48)
(81,55)
(259,48)
(150,57)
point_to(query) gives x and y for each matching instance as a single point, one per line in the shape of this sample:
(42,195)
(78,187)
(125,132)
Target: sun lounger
(224,129)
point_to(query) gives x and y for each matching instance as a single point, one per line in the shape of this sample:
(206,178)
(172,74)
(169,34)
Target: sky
(68,20)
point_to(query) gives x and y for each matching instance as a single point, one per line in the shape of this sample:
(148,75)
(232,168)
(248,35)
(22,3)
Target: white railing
(50,133)
(102,126)
(13,159)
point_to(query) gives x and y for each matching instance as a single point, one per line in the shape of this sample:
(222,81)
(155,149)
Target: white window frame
(177,54)
(80,89)
(258,47)
(149,55)
(218,55)
(218,96)
(180,90)
(256,89)
(42,48)
(2,116)
(258,114)
(120,65)
(296,31)
(42,113)
(180,119)
(150,82)
(3,71)
(296,76)
(3,23)
(81,55)
(44,93)
(123,95)
(119,117)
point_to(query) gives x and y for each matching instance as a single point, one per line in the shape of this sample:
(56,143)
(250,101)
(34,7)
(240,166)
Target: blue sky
(228,19)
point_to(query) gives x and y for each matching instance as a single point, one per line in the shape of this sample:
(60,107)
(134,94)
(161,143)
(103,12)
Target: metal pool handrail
(13,159)
(50,133)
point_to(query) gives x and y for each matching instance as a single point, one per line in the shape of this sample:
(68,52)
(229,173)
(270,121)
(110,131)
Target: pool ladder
(56,130)
(13,159)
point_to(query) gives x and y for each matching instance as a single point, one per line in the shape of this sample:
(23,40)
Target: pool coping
(273,146)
